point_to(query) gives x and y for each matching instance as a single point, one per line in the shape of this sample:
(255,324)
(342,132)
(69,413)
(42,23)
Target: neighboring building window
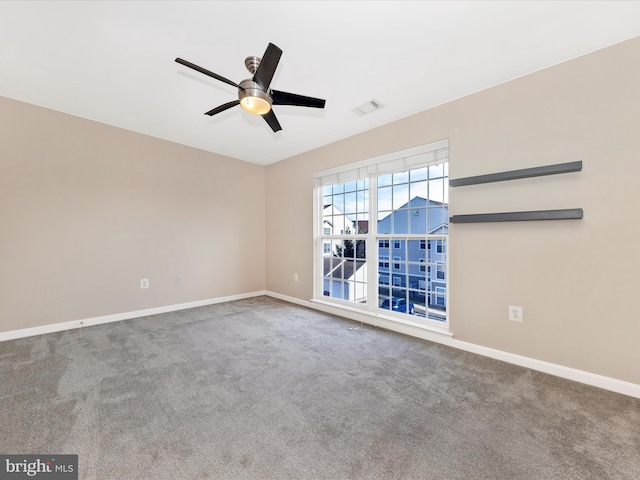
(327,230)
(440,296)
(394,207)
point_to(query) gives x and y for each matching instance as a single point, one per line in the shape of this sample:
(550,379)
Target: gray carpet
(262,389)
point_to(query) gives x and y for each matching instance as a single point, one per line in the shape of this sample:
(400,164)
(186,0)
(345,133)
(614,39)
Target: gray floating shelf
(518,174)
(566,214)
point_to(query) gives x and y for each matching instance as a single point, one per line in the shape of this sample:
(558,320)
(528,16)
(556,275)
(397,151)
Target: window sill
(382,320)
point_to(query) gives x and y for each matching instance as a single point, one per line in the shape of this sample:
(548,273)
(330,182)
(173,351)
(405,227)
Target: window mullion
(318,259)
(372,245)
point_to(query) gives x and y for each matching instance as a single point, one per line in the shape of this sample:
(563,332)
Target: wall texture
(575,279)
(87,210)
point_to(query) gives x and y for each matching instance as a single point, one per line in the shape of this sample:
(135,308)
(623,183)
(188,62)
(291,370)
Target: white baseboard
(58,327)
(600,381)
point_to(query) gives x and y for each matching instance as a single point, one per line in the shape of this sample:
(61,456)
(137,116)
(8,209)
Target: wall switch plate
(295,277)
(515,313)
(144,283)
(178,280)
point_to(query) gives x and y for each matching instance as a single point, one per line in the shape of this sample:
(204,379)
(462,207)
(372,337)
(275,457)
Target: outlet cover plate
(515,313)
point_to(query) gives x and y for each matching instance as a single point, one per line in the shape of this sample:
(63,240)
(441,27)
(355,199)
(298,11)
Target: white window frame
(414,158)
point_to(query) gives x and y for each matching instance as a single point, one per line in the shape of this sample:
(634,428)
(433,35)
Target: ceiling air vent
(368,107)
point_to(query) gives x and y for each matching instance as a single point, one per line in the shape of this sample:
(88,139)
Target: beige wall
(576,280)
(87,210)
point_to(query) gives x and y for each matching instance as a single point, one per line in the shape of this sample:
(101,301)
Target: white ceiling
(113,61)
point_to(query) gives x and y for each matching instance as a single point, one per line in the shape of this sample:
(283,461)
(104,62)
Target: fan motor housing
(253,99)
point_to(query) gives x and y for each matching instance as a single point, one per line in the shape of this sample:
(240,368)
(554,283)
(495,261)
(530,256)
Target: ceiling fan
(254,94)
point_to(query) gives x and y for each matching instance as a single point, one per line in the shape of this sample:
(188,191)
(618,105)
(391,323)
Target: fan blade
(285,98)
(222,108)
(206,72)
(267,66)
(271,119)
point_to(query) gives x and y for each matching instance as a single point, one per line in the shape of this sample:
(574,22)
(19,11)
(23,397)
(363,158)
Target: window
(393,207)
(440,299)
(327,230)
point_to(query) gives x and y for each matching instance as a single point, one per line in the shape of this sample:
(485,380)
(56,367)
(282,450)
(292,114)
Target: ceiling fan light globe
(255,105)
(253,99)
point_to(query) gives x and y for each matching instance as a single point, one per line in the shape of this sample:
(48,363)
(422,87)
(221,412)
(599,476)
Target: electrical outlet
(178,280)
(295,277)
(515,314)
(144,283)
